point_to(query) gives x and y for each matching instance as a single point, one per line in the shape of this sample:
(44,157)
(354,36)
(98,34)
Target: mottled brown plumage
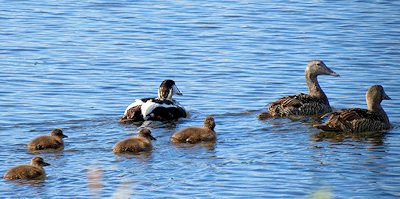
(313,103)
(52,141)
(141,143)
(196,134)
(356,120)
(34,171)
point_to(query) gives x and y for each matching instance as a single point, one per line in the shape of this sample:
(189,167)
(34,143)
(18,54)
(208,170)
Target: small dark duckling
(162,108)
(141,143)
(194,135)
(313,103)
(34,171)
(52,141)
(357,120)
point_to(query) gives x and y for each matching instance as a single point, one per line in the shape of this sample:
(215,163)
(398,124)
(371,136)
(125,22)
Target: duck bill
(332,73)
(152,138)
(386,97)
(176,90)
(329,71)
(64,136)
(45,164)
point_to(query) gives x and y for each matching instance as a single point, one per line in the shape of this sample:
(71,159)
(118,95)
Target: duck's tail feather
(325,127)
(264,116)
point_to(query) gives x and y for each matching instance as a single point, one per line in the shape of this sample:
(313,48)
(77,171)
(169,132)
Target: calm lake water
(77,65)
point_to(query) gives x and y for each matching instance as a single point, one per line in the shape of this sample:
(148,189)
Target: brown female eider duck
(141,143)
(52,141)
(194,135)
(162,108)
(34,171)
(313,103)
(356,120)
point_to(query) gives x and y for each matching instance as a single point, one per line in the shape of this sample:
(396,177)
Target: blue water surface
(76,65)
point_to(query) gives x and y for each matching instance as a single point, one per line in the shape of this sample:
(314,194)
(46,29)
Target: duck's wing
(359,114)
(133,112)
(24,172)
(162,110)
(353,120)
(301,104)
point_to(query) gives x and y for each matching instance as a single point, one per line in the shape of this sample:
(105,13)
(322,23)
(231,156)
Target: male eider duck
(356,120)
(141,143)
(34,171)
(45,142)
(162,108)
(313,103)
(193,135)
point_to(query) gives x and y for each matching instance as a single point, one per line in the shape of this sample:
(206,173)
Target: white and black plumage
(313,103)
(357,120)
(162,108)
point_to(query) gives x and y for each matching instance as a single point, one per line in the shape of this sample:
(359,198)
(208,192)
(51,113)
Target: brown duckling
(52,141)
(34,171)
(141,143)
(313,103)
(194,135)
(356,120)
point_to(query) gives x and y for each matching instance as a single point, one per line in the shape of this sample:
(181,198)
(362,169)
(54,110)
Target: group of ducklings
(164,108)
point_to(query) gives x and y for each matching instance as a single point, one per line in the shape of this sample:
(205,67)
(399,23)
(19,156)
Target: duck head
(58,133)
(146,133)
(209,122)
(167,89)
(38,161)
(375,95)
(318,67)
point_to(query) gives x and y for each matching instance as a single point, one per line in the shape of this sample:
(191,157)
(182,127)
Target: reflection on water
(374,138)
(33,183)
(207,145)
(144,155)
(95,178)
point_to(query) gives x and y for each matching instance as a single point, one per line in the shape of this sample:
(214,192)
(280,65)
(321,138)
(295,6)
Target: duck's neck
(164,93)
(313,87)
(59,139)
(37,165)
(377,108)
(209,126)
(145,138)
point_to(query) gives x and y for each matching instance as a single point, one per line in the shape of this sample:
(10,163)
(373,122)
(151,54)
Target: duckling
(356,120)
(313,103)
(34,171)
(52,141)
(194,135)
(162,108)
(141,143)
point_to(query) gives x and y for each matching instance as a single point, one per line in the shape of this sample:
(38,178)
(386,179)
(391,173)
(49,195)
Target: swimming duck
(52,141)
(162,108)
(34,171)
(194,135)
(313,103)
(361,120)
(141,143)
